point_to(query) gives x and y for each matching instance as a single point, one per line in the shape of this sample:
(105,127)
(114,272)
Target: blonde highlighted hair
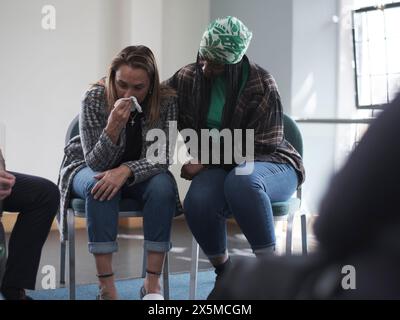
(138,57)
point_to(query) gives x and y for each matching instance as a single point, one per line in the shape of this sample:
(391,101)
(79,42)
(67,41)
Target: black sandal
(153,272)
(105,275)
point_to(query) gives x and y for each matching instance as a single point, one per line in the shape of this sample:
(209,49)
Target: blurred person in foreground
(358,227)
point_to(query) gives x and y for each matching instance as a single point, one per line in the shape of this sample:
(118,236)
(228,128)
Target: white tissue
(135,105)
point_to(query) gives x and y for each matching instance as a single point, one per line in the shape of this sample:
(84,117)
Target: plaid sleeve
(267,121)
(100,152)
(172,82)
(182,81)
(147,167)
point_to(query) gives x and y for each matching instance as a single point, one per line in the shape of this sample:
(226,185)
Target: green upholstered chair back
(73,129)
(293,134)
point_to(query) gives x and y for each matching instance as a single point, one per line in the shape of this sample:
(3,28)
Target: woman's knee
(84,181)
(161,187)
(237,185)
(204,205)
(89,185)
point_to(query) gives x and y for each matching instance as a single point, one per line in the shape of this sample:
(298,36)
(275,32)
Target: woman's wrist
(125,170)
(113,133)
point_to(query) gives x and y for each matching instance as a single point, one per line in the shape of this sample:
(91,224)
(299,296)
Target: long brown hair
(138,57)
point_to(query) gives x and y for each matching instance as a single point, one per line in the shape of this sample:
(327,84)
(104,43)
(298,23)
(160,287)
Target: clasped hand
(190,170)
(110,182)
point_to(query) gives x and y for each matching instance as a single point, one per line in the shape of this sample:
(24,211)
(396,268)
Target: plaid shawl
(93,148)
(259,107)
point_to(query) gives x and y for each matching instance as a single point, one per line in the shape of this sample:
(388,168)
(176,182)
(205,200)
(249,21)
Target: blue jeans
(156,196)
(216,194)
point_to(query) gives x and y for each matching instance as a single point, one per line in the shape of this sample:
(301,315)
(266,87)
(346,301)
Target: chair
(283,211)
(3,248)
(128,208)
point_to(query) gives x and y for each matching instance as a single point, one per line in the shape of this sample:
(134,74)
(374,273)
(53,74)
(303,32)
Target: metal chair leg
(166,277)
(71,247)
(304,234)
(165,273)
(194,269)
(289,232)
(144,263)
(62,262)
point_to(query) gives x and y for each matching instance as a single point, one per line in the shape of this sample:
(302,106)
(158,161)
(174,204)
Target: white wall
(271,45)
(45,73)
(314,90)
(184,22)
(144,26)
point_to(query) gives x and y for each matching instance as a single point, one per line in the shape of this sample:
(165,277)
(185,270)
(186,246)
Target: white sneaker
(153,296)
(149,296)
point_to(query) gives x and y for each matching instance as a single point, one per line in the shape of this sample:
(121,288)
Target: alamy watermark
(212,147)
(48,17)
(349,280)
(49,278)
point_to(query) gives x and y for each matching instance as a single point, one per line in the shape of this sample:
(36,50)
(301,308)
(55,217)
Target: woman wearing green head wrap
(224,90)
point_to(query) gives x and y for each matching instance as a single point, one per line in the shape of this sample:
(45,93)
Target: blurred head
(133,72)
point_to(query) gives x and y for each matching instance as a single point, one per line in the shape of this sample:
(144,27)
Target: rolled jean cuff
(264,251)
(216,255)
(103,247)
(157,246)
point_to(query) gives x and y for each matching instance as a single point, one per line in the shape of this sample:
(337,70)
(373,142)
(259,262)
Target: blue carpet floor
(129,289)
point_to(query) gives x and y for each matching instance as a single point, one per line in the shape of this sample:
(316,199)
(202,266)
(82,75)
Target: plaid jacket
(259,107)
(93,148)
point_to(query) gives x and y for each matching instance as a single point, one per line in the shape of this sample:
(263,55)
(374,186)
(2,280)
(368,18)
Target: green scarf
(225,41)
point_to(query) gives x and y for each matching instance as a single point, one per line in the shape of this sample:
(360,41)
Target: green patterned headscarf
(225,41)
